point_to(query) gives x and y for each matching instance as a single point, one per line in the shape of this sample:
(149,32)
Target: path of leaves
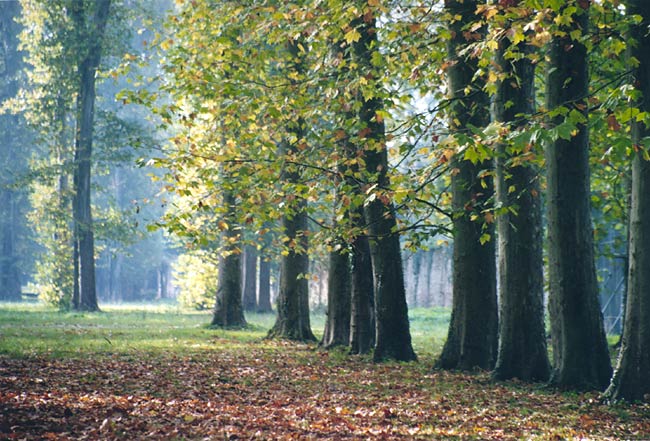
(277,390)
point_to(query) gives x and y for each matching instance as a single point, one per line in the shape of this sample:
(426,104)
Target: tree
(293,297)
(522,339)
(580,354)
(472,338)
(228,310)
(393,337)
(630,380)
(90,22)
(337,325)
(10,158)
(249,290)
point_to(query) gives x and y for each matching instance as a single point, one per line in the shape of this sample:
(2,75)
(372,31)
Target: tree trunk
(393,337)
(250,278)
(362,320)
(83,223)
(630,381)
(292,321)
(472,338)
(228,311)
(337,325)
(264,290)
(522,339)
(10,286)
(581,358)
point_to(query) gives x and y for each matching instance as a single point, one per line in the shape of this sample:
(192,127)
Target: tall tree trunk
(84,242)
(264,284)
(630,380)
(393,337)
(228,310)
(581,358)
(337,325)
(10,286)
(362,320)
(522,339)
(472,338)
(249,299)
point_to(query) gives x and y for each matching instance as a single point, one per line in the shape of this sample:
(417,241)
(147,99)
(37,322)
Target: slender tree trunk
(630,381)
(250,278)
(264,284)
(84,241)
(472,338)
(10,285)
(228,310)
(522,338)
(393,337)
(337,325)
(581,358)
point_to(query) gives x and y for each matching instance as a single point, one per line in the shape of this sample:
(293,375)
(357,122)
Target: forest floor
(149,374)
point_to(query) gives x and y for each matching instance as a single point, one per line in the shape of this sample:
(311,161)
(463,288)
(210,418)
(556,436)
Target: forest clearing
(160,373)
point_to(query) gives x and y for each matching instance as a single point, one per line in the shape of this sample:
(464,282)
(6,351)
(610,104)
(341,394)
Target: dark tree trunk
(362,320)
(522,340)
(264,290)
(630,381)
(250,278)
(337,325)
(91,47)
(581,358)
(393,337)
(292,321)
(472,338)
(228,311)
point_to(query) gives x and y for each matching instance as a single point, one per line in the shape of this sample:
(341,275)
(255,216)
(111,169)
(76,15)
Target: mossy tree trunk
(522,340)
(580,354)
(630,381)
(472,338)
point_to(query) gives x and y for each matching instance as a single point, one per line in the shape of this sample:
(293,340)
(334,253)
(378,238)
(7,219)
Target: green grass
(35,329)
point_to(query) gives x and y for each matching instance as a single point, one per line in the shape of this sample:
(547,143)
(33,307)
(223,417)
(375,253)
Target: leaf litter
(280,390)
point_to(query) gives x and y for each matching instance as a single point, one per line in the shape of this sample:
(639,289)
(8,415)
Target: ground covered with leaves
(235,385)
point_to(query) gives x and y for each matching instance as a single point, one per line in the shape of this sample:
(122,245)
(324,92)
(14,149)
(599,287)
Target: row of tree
(351,124)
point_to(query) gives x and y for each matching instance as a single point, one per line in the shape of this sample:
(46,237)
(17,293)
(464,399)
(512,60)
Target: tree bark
(250,278)
(362,320)
(630,380)
(393,337)
(472,338)
(264,284)
(228,310)
(337,325)
(581,358)
(91,48)
(522,339)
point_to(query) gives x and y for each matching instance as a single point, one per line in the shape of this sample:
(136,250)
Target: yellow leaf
(352,36)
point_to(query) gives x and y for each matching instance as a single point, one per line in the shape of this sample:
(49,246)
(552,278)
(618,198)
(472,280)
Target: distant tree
(630,380)
(472,338)
(249,289)
(12,128)
(522,337)
(580,354)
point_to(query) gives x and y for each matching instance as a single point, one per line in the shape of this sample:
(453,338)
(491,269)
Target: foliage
(173,378)
(196,277)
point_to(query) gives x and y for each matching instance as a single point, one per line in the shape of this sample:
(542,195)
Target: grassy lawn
(158,372)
